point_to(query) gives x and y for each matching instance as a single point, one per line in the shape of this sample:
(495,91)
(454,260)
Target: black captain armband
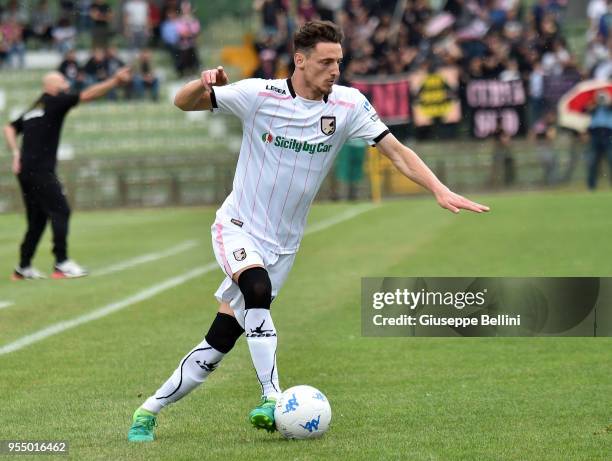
(379,138)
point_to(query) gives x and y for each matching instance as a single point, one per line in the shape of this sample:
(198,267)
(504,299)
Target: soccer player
(35,164)
(292,131)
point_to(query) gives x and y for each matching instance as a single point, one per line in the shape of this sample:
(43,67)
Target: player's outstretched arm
(411,166)
(121,77)
(195,95)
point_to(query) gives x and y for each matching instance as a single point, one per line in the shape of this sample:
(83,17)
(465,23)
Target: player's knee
(61,213)
(256,288)
(224,332)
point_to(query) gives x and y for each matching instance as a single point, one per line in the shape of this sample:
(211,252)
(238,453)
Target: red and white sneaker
(27,273)
(69,270)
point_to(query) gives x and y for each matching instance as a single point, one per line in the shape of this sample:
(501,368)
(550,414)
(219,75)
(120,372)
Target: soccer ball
(302,412)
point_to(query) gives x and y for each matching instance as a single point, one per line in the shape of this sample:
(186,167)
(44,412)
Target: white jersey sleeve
(366,124)
(236,98)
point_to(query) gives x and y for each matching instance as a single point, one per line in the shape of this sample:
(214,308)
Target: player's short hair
(313,32)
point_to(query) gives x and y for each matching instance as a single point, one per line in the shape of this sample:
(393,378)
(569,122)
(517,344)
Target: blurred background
(493,94)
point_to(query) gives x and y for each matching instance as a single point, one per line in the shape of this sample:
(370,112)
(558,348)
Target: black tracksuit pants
(44,200)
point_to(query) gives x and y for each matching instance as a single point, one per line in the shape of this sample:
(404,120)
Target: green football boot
(262,416)
(143,423)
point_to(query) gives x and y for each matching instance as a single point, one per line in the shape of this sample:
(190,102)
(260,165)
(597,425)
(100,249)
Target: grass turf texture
(419,398)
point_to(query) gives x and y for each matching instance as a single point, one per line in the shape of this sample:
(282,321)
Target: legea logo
(295,144)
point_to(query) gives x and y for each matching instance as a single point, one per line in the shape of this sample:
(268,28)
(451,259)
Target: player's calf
(193,369)
(256,288)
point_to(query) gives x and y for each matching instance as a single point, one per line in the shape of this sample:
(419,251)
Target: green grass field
(392,398)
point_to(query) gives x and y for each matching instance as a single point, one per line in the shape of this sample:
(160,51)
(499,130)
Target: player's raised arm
(411,166)
(196,95)
(121,77)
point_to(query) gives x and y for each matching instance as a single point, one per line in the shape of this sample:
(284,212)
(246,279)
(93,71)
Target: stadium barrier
(206,179)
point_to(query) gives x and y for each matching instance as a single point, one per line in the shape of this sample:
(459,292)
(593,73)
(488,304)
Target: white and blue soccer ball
(302,412)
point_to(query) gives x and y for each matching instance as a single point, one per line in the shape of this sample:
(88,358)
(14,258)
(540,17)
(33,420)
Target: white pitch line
(4,304)
(150,292)
(96,314)
(348,214)
(146,258)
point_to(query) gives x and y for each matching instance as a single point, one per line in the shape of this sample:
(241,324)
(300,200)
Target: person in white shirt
(136,23)
(292,130)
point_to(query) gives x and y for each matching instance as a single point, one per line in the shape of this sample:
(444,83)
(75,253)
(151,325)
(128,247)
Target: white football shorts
(234,250)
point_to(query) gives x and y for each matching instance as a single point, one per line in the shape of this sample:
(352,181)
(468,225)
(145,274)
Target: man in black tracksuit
(35,164)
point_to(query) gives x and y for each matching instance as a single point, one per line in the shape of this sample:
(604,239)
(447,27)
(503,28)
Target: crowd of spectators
(103,63)
(94,24)
(598,59)
(496,39)
(503,40)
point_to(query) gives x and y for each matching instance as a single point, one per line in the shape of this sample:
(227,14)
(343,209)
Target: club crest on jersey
(267,138)
(328,124)
(240,254)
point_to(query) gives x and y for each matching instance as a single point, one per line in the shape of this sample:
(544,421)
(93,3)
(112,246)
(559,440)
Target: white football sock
(191,372)
(261,338)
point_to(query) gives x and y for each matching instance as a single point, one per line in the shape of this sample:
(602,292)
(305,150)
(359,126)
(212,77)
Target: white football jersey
(288,145)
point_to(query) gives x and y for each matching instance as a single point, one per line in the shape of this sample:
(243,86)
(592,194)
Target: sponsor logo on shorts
(237,222)
(240,254)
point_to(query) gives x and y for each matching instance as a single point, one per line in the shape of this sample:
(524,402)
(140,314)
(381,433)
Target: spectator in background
(267,64)
(328,10)
(510,72)
(603,69)
(83,15)
(503,171)
(271,11)
(600,129)
(145,79)
(13,45)
(95,68)
(170,36)
(113,63)
(188,27)
(596,53)
(348,169)
(67,9)
(101,16)
(155,17)
(595,10)
(170,5)
(41,23)
(64,35)
(545,132)
(306,12)
(536,93)
(17,12)
(136,25)
(113,60)
(605,21)
(71,69)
